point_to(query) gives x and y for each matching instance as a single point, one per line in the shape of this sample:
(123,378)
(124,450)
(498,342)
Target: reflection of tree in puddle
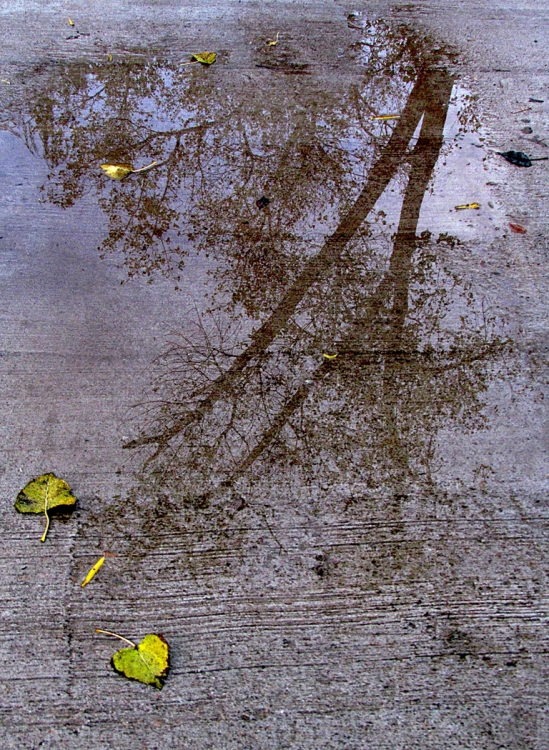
(305,141)
(409,348)
(414,350)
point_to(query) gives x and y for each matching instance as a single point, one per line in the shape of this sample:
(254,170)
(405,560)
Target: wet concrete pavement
(298,394)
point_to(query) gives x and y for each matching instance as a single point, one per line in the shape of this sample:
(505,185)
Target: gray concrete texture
(342,551)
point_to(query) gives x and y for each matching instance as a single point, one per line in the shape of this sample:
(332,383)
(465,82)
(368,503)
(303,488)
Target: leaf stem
(44,535)
(108,632)
(149,166)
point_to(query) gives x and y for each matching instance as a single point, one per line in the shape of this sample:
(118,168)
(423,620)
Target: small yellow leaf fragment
(109,57)
(273,42)
(71,22)
(117,171)
(121,171)
(93,571)
(330,356)
(5,80)
(467,205)
(206,58)
(386,117)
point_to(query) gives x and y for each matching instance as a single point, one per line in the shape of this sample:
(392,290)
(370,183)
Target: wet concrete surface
(298,394)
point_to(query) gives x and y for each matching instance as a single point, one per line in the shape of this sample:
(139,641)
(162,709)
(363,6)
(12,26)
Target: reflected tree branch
(318,267)
(424,158)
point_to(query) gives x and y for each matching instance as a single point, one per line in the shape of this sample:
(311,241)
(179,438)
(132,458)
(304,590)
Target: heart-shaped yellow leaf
(206,58)
(117,171)
(147,662)
(45,493)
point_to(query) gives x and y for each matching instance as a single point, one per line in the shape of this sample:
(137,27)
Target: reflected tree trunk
(429,99)
(395,284)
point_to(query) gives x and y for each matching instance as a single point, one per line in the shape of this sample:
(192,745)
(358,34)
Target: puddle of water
(341,334)
(345,448)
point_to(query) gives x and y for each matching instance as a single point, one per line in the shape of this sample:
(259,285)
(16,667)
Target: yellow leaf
(71,23)
(386,117)
(43,494)
(330,356)
(117,171)
(147,662)
(109,57)
(93,571)
(272,42)
(467,205)
(206,58)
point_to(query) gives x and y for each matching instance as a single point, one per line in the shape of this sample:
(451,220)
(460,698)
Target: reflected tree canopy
(301,139)
(278,183)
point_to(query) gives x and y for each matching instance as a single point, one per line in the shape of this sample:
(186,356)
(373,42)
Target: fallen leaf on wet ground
(385,117)
(465,206)
(121,171)
(330,356)
(71,22)
(43,494)
(146,662)
(520,159)
(93,571)
(206,58)
(117,171)
(273,42)
(518,228)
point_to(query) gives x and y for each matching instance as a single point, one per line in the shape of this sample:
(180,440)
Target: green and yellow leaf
(147,662)
(43,494)
(206,58)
